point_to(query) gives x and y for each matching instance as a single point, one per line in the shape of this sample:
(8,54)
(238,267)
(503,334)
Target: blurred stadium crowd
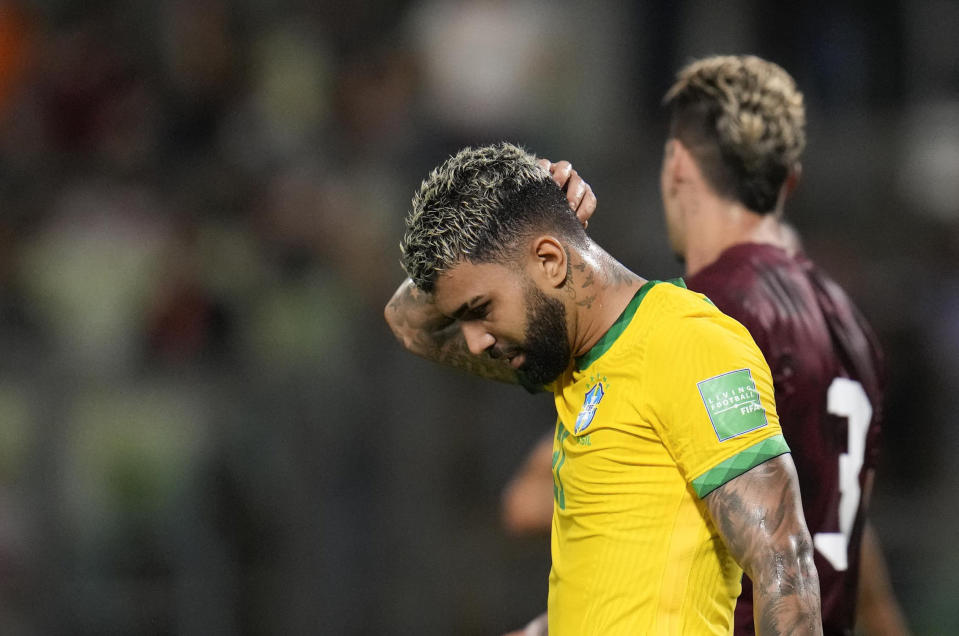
(205,427)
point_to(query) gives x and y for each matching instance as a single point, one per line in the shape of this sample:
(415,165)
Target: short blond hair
(744,120)
(476,206)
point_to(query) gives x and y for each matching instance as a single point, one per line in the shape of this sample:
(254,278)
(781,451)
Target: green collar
(618,327)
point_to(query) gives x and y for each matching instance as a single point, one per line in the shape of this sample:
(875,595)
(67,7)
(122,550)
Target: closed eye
(478,312)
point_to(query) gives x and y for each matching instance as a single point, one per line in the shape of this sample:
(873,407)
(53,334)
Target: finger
(561,172)
(544,164)
(587,206)
(575,191)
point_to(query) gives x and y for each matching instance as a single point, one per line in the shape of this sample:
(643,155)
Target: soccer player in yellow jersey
(670,472)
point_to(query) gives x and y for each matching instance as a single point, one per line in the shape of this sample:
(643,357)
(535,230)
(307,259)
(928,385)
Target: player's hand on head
(580,196)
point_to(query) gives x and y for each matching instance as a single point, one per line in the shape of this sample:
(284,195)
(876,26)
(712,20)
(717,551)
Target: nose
(477,338)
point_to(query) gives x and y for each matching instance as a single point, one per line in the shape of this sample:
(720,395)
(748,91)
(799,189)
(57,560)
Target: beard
(546,348)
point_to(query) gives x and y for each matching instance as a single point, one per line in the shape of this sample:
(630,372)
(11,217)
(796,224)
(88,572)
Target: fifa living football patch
(733,404)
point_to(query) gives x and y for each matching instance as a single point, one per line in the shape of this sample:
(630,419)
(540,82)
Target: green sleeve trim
(740,463)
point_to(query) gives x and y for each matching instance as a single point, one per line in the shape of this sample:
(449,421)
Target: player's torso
(827,394)
(630,538)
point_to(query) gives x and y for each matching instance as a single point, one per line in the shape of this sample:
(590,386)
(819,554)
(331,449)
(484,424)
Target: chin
(541,375)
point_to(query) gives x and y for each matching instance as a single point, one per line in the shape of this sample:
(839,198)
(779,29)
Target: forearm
(424,331)
(759,515)
(877,610)
(786,597)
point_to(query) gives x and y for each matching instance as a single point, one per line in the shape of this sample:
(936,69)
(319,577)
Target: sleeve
(758,318)
(711,399)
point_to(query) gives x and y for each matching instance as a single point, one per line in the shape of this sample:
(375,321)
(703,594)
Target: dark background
(205,426)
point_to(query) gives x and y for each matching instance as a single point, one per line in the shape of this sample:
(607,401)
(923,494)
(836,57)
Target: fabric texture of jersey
(674,401)
(828,376)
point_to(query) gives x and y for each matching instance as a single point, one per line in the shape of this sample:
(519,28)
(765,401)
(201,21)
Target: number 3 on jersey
(846,398)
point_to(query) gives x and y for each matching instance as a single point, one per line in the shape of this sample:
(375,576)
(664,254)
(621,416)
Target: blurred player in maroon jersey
(737,130)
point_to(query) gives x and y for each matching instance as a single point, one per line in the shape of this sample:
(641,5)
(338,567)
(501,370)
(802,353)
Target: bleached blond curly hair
(744,121)
(477,206)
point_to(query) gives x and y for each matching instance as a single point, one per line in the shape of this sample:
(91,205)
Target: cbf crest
(591,402)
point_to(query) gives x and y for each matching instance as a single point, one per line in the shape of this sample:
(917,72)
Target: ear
(686,166)
(549,262)
(677,163)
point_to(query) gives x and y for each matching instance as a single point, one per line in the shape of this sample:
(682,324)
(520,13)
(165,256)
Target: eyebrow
(465,307)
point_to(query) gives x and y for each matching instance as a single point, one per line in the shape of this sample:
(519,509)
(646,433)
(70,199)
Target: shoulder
(832,297)
(739,272)
(849,327)
(688,325)
(761,286)
(669,317)
(671,305)
(693,341)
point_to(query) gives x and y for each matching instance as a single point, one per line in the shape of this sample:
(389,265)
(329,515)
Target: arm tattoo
(759,516)
(423,330)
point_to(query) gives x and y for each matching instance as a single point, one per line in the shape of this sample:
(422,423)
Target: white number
(846,398)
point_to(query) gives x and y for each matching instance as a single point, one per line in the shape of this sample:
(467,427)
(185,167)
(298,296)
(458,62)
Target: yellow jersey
(674,401)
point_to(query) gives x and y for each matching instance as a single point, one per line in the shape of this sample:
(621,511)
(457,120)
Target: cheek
(513,324)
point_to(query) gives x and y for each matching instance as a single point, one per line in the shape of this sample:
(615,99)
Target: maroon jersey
(828,376)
